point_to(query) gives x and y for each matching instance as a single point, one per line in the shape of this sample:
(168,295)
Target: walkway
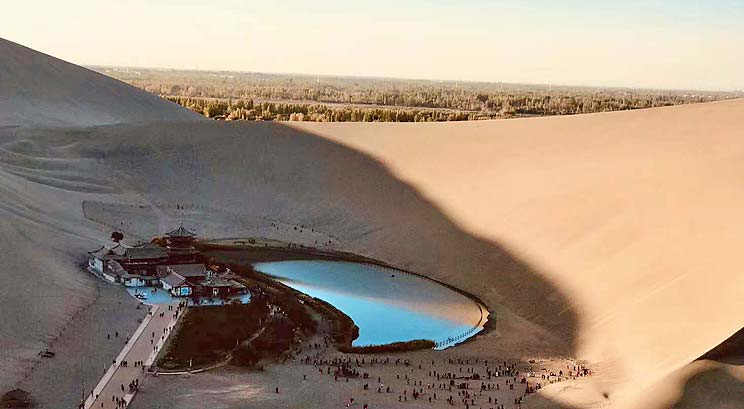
(143,346)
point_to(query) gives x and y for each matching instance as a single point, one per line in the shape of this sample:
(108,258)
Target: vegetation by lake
(403,346)
(256,96)
(207,335)
(277,317)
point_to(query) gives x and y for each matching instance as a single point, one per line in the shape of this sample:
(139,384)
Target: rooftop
(221,282)
(118,250)
(185,270)
(115,268)
(146,252)
(174,279)
(181,232)
(106,253)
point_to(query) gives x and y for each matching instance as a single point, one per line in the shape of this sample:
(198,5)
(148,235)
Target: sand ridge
(610,237)
(56,93)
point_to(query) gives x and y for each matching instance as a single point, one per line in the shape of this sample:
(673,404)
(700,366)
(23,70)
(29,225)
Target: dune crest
(37,90)
(634,215)
(612,237)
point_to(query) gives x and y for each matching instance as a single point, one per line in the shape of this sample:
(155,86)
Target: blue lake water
(387,305)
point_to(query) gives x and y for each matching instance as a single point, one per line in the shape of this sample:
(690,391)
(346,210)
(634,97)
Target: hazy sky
(649,43)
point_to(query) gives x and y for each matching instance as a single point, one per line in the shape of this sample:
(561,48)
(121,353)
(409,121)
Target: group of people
(494,381)
(120,402)
(451,381)
(133,386)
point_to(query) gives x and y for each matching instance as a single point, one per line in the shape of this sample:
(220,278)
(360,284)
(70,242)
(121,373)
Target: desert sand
(613,237)
(307,379)
(72,95)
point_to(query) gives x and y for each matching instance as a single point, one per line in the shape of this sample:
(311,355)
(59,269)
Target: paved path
(143,346)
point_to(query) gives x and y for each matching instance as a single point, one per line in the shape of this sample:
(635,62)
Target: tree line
(229,109)
(255,96)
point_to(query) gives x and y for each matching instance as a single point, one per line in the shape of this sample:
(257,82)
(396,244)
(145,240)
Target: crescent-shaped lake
(387,305)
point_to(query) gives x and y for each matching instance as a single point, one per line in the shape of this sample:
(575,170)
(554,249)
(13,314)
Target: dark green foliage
(295,311)
(393,347)
(277,338)
(208,334)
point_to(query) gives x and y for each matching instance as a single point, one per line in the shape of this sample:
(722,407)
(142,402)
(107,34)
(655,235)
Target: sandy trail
(143,346)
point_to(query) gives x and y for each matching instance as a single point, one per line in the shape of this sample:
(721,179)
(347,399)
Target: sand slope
(612,237)
(57,93)
(634,215)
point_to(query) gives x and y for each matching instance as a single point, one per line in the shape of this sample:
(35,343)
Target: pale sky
(637,43)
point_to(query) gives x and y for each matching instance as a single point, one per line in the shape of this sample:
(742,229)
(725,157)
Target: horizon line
(534,84)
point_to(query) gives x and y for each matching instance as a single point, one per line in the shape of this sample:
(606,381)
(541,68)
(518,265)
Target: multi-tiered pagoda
(181,248)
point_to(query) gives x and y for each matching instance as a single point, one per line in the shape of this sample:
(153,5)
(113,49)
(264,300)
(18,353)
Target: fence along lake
(387,305)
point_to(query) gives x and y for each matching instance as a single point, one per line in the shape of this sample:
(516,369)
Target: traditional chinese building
(144,260)
(186,280)
(98,258)
(181,246)
(173,267)
(114,272)
(141,260)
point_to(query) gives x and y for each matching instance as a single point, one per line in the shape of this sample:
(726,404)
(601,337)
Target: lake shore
(239,256)
(239,259)
(305,372)
(307,378)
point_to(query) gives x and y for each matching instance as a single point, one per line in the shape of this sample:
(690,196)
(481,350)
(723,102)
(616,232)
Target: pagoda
(181,248)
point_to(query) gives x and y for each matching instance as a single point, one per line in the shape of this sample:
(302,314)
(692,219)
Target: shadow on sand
(715,388)
(267,169)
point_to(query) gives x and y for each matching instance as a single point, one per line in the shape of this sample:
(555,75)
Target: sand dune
(609,237)
(56,93)
(632,215)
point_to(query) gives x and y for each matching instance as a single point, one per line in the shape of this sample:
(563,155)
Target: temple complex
(175,267)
